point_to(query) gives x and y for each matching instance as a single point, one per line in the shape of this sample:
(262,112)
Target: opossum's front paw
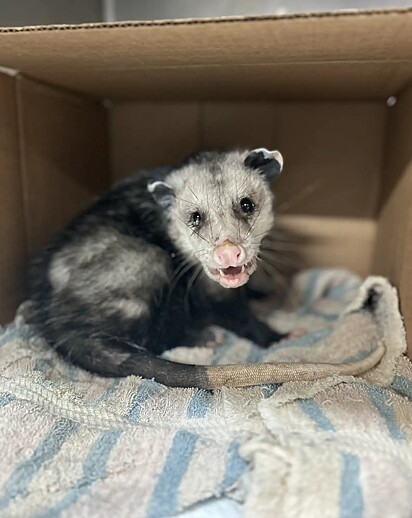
(295,333)
(274,337)
(211,337)
(271,337)
(263,335)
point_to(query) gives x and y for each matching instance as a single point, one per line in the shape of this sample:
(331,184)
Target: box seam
(207,21)
(384,165)
(23,165)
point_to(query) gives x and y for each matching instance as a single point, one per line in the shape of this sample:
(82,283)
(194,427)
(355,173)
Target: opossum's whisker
(208,219)
(279,258)
(186,201)
(177,278)
(277,246)
(201,256)
(242,185)
(189,286)
(274,277)
(192,191)
(199,251)
(304,193)
(273,273)
(201,237)
(337,193)
(121,340)
(238,220)
(192,229)
(281,255)
(280,242)
(261,233)
(255,220)
(181,265)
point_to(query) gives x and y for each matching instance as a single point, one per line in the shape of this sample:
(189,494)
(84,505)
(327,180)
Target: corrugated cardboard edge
(12,228)
(206,21)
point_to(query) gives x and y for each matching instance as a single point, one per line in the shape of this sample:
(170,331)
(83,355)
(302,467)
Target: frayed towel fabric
(77,445)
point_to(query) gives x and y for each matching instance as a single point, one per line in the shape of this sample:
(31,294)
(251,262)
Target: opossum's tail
(175,374)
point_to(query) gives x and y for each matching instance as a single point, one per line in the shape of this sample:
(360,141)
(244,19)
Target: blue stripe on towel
(43,365)
(94,469)
(310,287)
(314,412)
(402,386)
(6,399)
(164,499)
(255,354)
(269,390)
(199,404)
(146,390)
(351,498)
(361,355)
(379,397)
(235,466)
(306,340)
(220,351)
(340,290)
(333,292)
(95,464)
(16,333)
(71,371)
(320,314)
(108,392)
(48,448)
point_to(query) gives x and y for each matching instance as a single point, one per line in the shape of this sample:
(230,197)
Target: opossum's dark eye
(247,205)
(195,219)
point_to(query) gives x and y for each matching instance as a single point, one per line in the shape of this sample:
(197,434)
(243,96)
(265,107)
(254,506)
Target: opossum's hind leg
(96,337)
(114,358)
(98,355)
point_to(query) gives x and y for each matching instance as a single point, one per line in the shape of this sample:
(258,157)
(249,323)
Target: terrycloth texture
(77,445)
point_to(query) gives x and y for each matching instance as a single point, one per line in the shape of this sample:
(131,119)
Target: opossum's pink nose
(228,254)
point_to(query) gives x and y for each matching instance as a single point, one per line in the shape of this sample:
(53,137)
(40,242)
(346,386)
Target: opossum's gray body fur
(135,274)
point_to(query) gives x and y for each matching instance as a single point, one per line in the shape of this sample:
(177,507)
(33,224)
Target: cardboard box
(92,103)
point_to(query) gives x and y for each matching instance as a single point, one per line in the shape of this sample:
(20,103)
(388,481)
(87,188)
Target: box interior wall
(137,96)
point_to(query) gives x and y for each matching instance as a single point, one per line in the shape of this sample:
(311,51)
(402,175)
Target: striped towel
(77,445)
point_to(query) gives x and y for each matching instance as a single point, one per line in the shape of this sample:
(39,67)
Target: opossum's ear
(162,193)
(268,163)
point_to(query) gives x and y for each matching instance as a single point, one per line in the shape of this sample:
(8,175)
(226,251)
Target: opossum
(155,262)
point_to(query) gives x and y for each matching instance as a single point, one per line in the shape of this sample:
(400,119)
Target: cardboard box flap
(341,55)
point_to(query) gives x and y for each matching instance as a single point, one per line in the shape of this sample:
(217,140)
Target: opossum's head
(219,208)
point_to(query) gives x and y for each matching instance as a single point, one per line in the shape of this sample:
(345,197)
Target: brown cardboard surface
(334,242)
(406,276)
(398,151)
(332,150)
(147,135)
(393,254)
(364,55)
(12,233)
(64,149)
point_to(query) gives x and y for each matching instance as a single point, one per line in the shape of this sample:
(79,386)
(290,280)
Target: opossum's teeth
(232,271)
(233,276)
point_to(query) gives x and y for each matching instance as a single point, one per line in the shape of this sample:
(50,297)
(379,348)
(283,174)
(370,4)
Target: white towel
(74,444)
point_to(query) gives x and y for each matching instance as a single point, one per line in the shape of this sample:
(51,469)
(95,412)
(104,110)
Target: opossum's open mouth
(233,276)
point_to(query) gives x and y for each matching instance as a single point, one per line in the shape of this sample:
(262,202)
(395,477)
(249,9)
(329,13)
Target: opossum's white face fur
(219,208)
